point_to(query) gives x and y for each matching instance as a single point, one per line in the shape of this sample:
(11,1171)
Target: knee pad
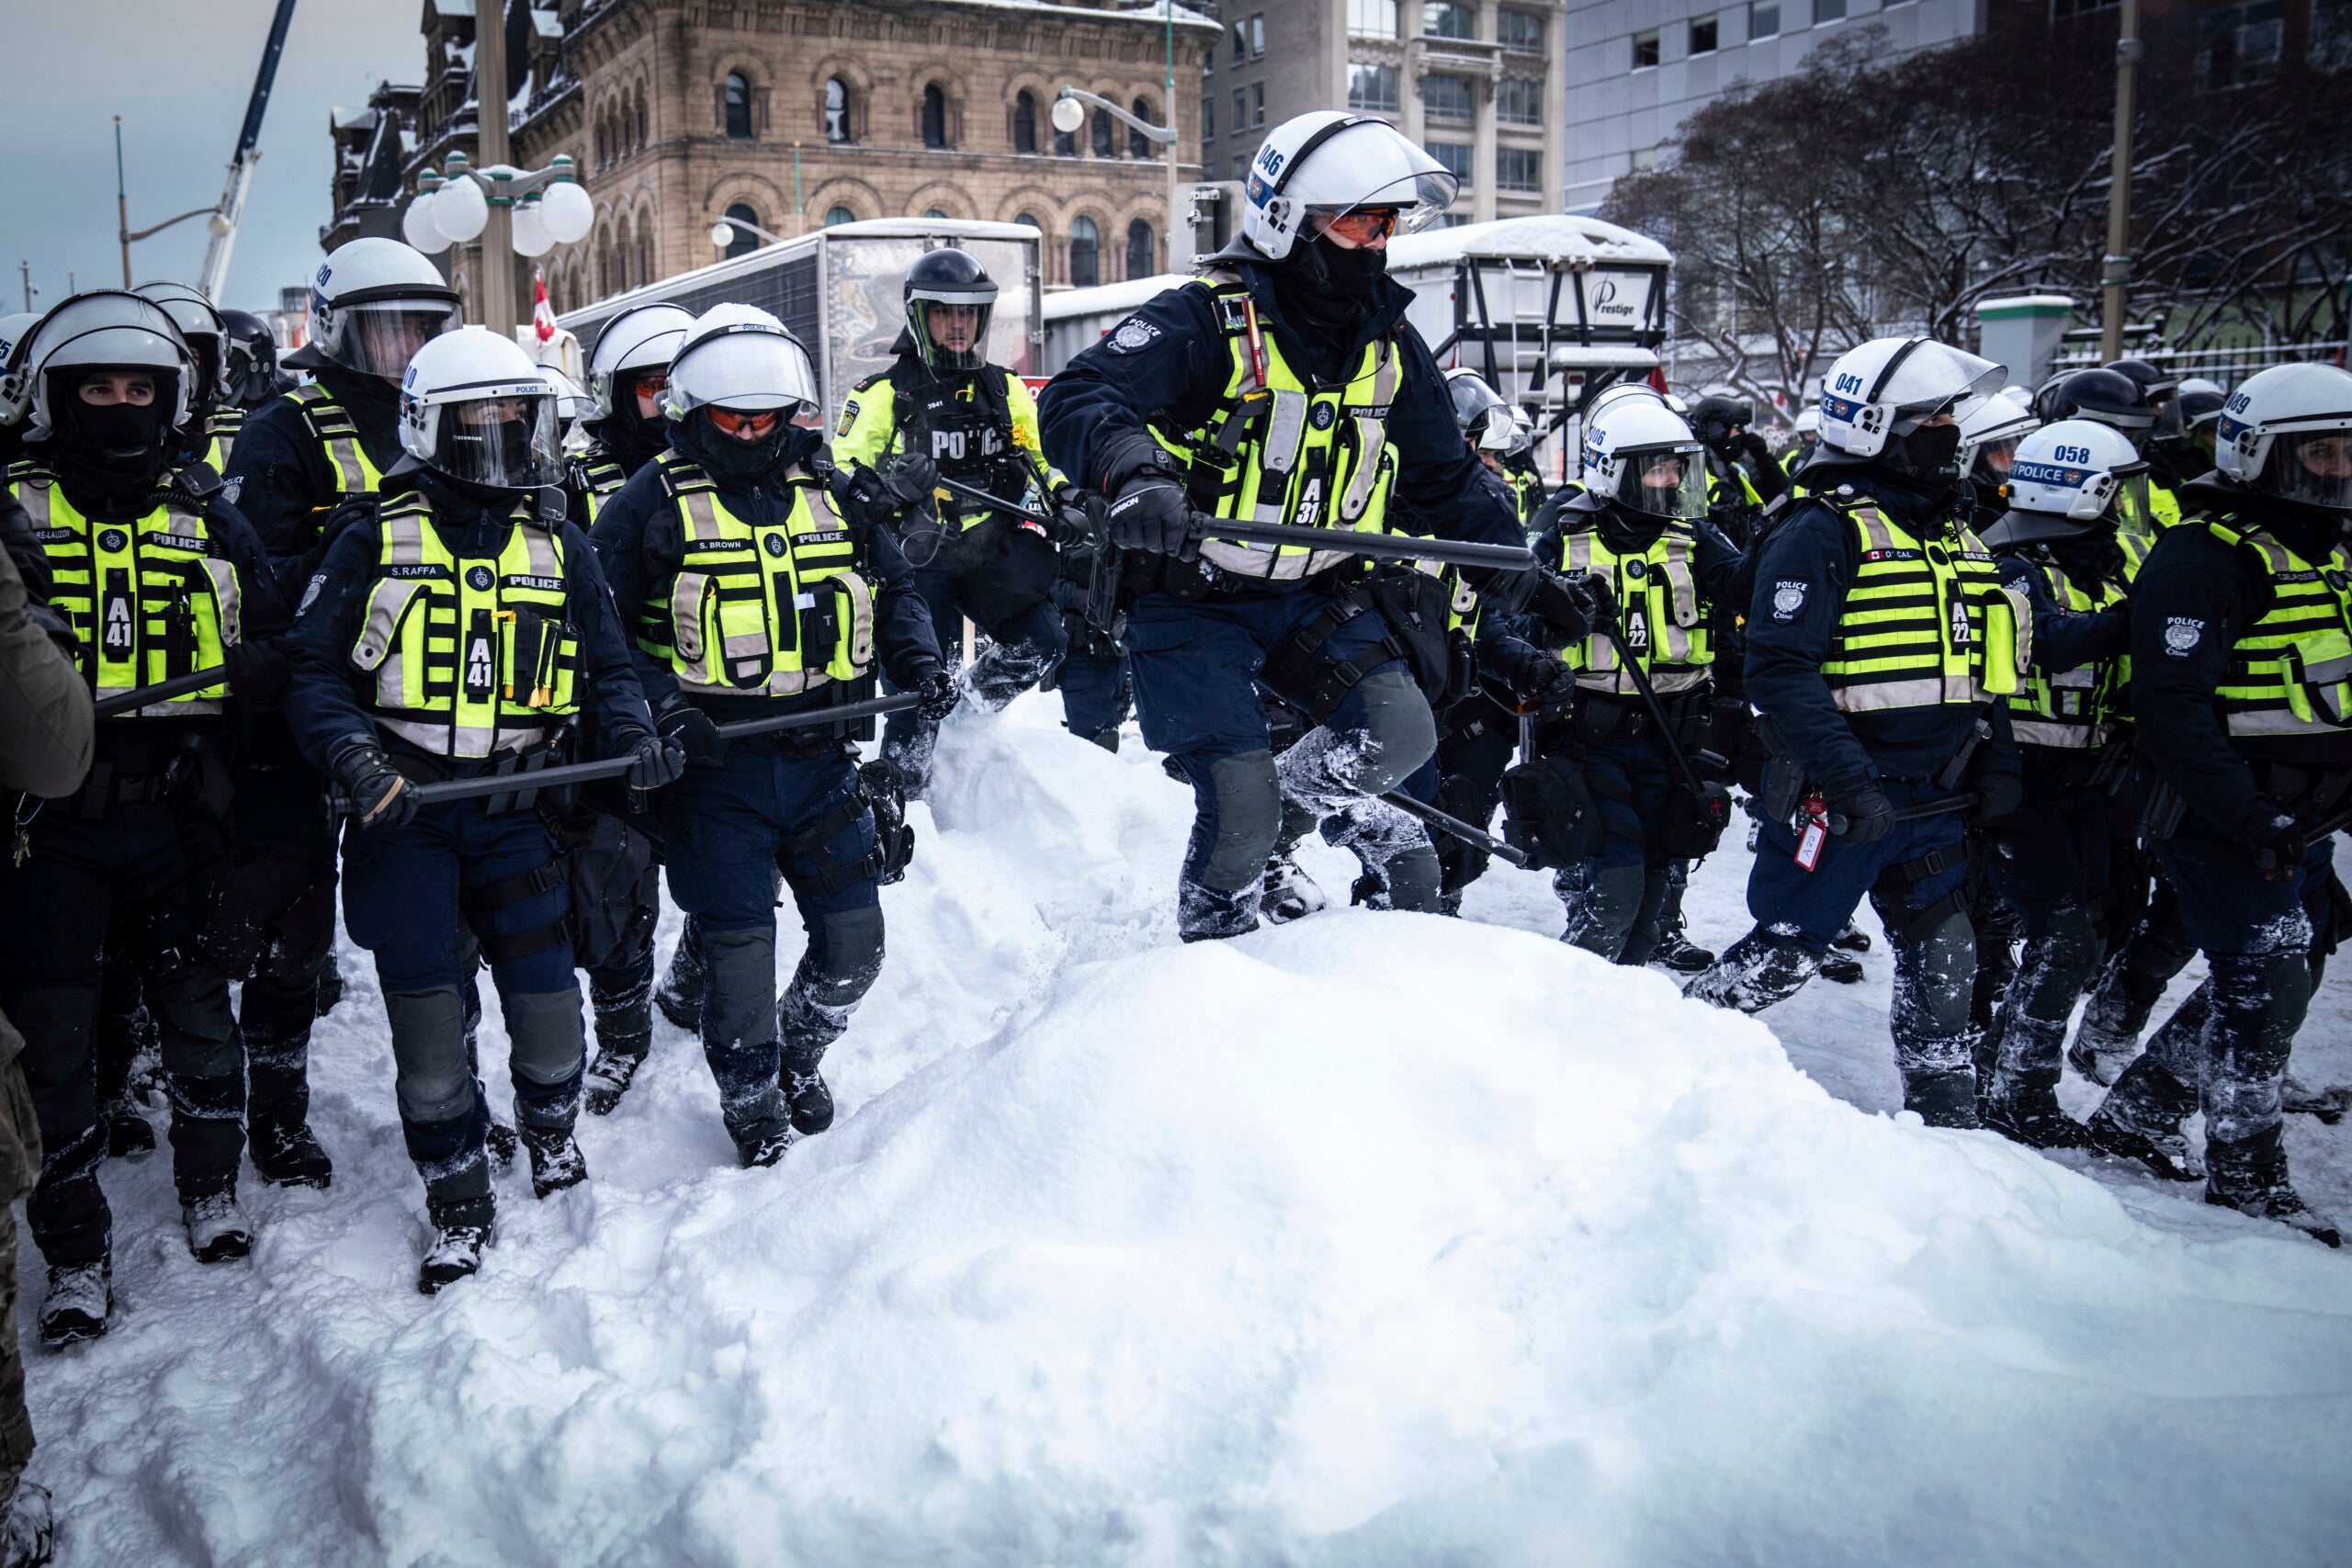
(1248,820)
(546,1040)
(2259,1000)
(1414,878)
(2058,964)
(1399,732)
(843,958)
(1935,978)
(200,1039)
(429,1054)
(739,996)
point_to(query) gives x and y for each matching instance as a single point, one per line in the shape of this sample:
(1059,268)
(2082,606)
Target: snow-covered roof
(1185,16)
(1110,298)
(547,24)
(352,119)
(1551,237)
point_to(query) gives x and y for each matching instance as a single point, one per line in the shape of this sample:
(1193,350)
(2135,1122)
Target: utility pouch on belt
(1416,607)
(1785,785)
(1549,813)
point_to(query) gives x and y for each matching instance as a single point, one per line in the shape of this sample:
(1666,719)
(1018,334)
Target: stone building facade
(790,114)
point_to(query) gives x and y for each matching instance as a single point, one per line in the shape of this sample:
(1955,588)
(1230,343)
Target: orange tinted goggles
(736,421)
(1365,226)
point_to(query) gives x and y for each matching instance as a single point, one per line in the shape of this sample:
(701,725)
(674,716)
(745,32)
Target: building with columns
(1476,81)
(790,114)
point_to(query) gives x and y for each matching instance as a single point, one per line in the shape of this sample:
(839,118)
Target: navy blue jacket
(1103,398)
(2193,598)
(279,475)
(2066,640)
(322,702)
(637,537)
(1814,552)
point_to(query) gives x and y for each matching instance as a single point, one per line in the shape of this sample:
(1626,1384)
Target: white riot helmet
(1808,423)
(1479,410)
(2286,431)
(107,330)
(1876,397)
(571,404)
(477,409)
(206,333)
(1328,163)
(2188,385)
(1522,433)
(1642,456)
(2067,480)
(643,338)
(1990,428)
(374,304)
(738,356)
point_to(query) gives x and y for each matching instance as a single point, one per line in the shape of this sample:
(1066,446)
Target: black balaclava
(628,437)
(745,463)
(1627,531)
(1327,294)
(112,454)
(374,405)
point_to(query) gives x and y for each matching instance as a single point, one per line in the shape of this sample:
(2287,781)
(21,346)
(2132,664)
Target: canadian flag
(542,313)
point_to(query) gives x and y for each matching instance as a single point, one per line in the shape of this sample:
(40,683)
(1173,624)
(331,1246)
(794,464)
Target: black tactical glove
(1544,681)
(1869,816)
(258,674)
(380,795)
(1071,524)
(2281,839)
(1152,514)
(654,759)
(1997,794)
(694,732)
(911,478)
(1756,450)
(1567,605)
(938,694)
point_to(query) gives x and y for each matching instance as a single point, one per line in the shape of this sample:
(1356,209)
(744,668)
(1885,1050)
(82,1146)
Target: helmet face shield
(378,337)
(2132,512)
(1992,459)
(1663,482)
(743,368)
(505,443)
(953,334)
(1417,199)
(2312,468)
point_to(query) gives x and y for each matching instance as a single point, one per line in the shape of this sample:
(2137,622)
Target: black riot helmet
(2108,397)
(2159,389)
(1715,420)
(248,359)
(953,282)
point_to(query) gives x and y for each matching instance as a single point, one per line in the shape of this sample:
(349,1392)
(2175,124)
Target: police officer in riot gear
(977,423)
(761,584)
(454,629)
(1881,648)
(249,372)
(1286,385)
(213,421)
(2062,860)
(2242,697)
(1990,428)
(159,578)
(1639,530)
(1742,479)
(628,372)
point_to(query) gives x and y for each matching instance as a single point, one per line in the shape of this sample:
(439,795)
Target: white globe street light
(1068,115)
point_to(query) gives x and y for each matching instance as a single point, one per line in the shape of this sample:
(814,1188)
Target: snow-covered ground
(1375,1239)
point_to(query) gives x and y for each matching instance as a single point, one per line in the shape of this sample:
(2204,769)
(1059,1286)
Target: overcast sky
(179,72)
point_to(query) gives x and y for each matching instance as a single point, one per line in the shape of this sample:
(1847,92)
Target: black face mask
(745,462)
(117,451)
(1352,274)
(1931,452)
(632,441)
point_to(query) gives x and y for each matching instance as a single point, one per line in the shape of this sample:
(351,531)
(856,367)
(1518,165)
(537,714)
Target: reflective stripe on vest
(769,609)
(2079,708)
(471,654)
(1664,622)
(147,601)
(339,438)
(599,483)
(1926,623)
(223,427)
(1314,458)
(2290,673)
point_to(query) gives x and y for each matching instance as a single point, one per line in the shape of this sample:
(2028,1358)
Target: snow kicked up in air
(1374,1239)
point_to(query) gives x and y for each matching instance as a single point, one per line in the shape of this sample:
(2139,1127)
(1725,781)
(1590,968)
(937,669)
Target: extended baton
(1379,546)
(177,686)
(1839,822)
(614,767)
(979,497)
(1457,826)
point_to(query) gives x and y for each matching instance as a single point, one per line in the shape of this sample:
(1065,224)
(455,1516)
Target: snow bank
(1374,1239)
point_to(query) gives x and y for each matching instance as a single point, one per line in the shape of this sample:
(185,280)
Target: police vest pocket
(539,655)
(388,606)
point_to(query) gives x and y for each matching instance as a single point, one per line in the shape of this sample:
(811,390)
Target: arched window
(835,214)
(1106,134)
(1143,255)
(641,261)
(1024,122)
(933,213)
(739,107)
(744,240)
(1138,144)
(1085,254)
(642,136)
(1065,144)
(1030,218)
(934,116)
(836,109)
(604,145)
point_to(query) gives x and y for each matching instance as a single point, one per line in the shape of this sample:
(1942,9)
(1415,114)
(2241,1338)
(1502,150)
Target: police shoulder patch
(1133,334)
(2182,633)
(310,592)
(849,415)
(1787,599)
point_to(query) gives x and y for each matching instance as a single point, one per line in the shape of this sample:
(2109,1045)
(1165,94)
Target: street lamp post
(1068,117)
(722,233)
(536,210)
(124,234)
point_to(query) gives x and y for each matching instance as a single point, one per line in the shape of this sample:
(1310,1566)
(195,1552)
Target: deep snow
(1372,1240)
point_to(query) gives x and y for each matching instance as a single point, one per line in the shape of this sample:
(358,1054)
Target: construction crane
(241,168)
